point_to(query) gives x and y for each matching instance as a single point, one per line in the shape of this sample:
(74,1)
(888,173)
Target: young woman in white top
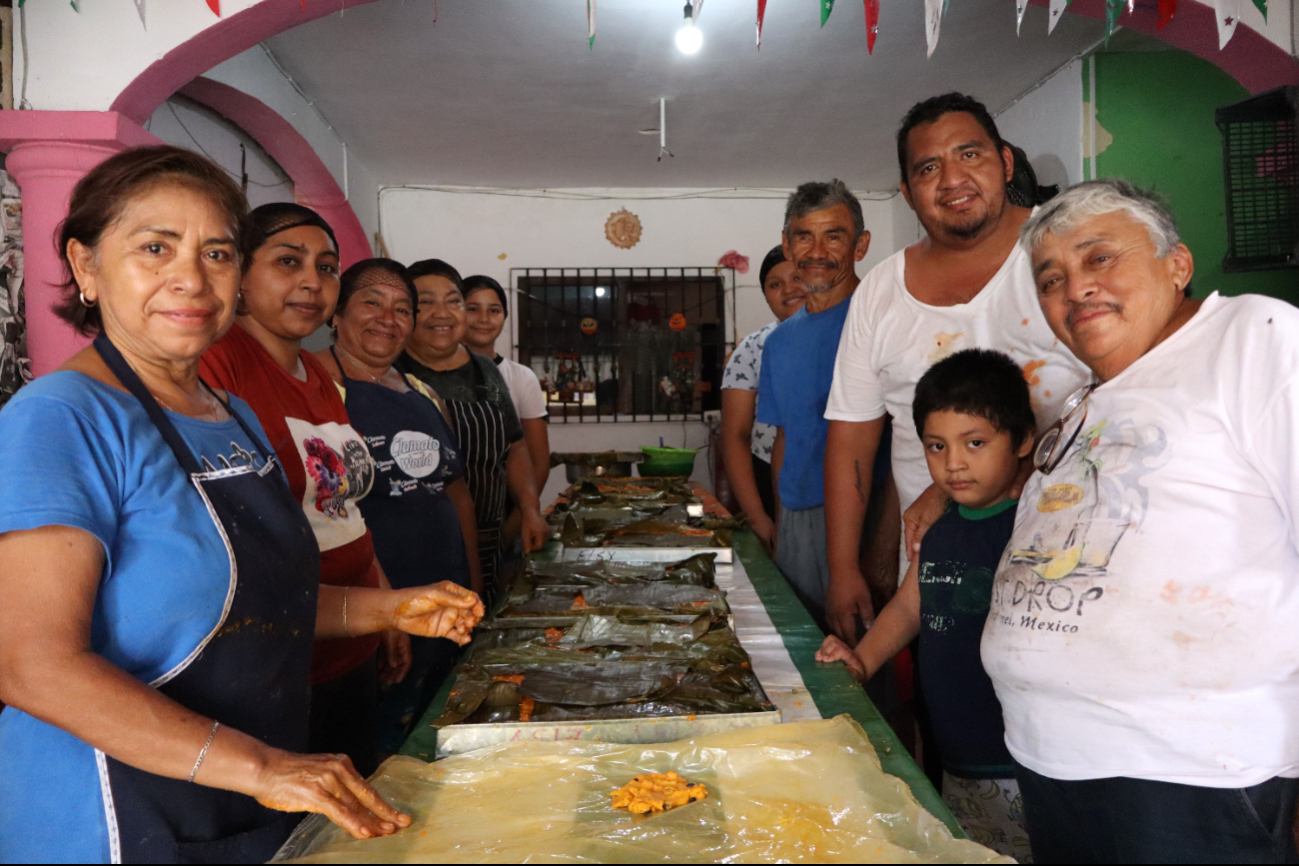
(486,308)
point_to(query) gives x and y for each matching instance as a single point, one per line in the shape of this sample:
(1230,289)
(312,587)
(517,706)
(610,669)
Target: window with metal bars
(626,344)
(1260,155)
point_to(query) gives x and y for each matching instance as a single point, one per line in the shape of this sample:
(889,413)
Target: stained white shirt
(891,339)
(1144,616)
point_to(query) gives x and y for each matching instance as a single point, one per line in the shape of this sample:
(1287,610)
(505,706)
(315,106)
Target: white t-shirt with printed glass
(891,339)
(1145,616)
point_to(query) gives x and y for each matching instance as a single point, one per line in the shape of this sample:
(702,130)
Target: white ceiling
(505,93)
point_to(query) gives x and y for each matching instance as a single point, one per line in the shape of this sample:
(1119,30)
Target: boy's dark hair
(977,382)
(935,107)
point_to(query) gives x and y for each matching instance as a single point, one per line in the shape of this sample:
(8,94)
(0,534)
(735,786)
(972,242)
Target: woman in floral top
(746,445)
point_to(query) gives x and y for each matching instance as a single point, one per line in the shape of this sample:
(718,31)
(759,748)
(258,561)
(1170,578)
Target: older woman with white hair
(1142,637)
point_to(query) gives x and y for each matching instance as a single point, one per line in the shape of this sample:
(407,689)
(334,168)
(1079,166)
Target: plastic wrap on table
(593,631)
(808,792)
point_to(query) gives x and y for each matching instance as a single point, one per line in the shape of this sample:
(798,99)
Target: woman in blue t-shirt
(160,585)
(419,510)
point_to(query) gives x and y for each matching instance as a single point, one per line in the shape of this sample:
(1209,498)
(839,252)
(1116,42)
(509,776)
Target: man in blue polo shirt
(824,236)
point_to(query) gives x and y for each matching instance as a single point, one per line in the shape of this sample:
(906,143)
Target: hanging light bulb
(689,39)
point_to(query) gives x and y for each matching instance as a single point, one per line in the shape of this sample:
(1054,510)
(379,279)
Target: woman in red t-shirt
(290,285)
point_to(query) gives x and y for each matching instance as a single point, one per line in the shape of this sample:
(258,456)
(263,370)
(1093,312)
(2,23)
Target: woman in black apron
(161,583)
(497,465)
(419,509)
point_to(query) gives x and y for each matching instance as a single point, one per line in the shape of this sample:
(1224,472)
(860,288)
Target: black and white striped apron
(485,449)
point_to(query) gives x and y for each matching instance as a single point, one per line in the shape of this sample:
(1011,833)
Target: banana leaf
(591,687)
(660,596)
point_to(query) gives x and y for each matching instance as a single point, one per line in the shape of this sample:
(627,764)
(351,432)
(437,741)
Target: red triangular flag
(1167,9)
(762,10)
(215,6)
(872,24)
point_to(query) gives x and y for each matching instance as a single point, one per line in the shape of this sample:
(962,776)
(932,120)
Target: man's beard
(817,288)
(971,228)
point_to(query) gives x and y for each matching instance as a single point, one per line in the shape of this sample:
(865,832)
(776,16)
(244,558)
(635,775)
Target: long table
(830,689)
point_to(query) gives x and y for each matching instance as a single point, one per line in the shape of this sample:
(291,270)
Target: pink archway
(313,185)
(231,35)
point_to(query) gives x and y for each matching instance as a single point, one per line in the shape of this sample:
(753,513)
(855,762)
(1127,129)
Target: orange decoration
(589,326)
(677,322)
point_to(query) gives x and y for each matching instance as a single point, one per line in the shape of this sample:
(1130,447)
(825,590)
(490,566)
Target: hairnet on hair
(269,220)
(374,272)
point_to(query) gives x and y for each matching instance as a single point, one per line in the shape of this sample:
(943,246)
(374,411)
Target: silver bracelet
(346,630)
(203,753)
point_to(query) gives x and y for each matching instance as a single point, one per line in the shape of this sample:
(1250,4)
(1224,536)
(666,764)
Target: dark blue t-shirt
(958,559)
(793,388)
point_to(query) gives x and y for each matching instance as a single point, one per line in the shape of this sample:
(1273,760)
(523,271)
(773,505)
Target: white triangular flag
(1227,13)
(139,7)
(933,22)
(698,6)
(1020,6)
(1057,9)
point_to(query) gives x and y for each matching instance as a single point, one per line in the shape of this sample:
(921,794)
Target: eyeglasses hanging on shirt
(1054,445)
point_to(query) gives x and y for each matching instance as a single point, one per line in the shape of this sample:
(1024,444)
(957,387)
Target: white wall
(184,123)
(81,61)
(490,232)
(1047,123)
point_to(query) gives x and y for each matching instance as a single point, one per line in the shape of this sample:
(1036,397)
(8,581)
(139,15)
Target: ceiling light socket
(689,40)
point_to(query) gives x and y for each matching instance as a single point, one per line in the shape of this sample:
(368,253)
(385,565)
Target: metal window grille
(1260,153)
(626,344)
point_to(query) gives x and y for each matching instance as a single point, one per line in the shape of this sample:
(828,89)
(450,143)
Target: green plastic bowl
(662,462)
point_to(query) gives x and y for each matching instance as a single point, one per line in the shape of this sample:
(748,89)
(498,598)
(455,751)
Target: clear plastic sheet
(811,792)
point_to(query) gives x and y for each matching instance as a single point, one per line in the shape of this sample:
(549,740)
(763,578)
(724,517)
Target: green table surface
(831,686)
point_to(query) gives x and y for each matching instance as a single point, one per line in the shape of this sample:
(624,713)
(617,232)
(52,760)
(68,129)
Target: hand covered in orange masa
(439,610)
(835,650)
(330,786)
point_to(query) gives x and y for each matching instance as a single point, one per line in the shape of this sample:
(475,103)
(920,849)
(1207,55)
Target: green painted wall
(1159,107)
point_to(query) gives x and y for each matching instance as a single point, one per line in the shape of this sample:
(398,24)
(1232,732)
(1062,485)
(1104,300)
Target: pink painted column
(49,151)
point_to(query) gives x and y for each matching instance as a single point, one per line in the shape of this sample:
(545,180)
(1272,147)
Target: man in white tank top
(966,284)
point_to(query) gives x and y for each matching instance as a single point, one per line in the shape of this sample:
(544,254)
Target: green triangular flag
(1112,10)
(827,6)
(1262,7)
